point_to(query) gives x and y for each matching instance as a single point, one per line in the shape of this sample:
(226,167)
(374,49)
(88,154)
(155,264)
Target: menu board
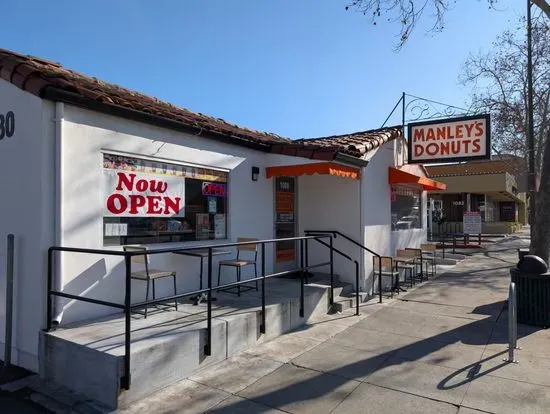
(285,252)
(219,226)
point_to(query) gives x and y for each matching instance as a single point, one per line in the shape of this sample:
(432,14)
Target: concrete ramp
(168,346)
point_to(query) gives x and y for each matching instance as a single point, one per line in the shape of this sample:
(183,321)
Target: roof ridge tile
(37,75)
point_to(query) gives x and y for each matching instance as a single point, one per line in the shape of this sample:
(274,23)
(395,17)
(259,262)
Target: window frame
(421,207)
(172,162)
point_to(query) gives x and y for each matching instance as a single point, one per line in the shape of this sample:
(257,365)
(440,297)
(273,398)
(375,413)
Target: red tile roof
(49,80)
(498,166)
(356,144)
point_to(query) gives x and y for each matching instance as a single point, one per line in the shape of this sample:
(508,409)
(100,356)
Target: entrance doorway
(285,223)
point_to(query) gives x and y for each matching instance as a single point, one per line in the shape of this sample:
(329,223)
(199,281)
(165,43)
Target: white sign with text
(452,139)
(135,194)
(471,222)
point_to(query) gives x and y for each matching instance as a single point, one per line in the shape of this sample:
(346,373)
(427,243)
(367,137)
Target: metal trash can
(532,281)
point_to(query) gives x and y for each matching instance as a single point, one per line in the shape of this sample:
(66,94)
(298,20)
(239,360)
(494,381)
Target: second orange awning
(402,177)
(327,168)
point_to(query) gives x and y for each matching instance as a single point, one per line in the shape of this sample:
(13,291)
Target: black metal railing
(336,233)
(466,239)
(128,307)
(348,257)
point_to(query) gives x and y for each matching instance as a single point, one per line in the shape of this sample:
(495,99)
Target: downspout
(362,228)
(58,196)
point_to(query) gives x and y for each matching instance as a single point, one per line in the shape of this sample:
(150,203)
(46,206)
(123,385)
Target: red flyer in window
(203,226)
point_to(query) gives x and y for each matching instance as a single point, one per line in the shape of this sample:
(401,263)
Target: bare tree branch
(499,79)
(409,12)
(543,5)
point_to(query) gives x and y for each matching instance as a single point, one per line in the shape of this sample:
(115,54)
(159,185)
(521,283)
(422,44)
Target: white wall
(376,209)
(327,202)
(414,237)
(85,135)
(26,210)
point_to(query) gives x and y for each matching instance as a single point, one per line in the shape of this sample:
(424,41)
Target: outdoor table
(201,254)
(405,260)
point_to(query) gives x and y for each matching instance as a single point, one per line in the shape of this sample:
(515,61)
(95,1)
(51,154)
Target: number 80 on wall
(7,125)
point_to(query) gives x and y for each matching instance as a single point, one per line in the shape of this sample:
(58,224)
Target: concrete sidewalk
(437,349)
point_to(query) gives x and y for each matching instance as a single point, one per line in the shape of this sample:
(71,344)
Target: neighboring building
(495,188)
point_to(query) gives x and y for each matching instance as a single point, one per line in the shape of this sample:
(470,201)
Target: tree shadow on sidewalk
(314,386)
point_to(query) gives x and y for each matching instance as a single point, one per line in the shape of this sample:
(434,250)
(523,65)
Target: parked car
(407,222)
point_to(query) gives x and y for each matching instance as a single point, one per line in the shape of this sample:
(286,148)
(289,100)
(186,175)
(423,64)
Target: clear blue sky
(299,68)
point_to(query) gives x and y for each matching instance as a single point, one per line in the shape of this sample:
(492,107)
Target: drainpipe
(58,240)
(361,227)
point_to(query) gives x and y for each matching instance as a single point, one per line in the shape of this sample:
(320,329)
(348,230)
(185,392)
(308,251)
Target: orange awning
(329,168)
(402,177)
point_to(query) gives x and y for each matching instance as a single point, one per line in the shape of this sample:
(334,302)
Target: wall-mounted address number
(7,125)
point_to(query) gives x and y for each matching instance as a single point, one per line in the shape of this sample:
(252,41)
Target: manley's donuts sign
(454,139)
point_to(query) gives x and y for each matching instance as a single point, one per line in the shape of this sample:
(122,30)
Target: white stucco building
(65,138)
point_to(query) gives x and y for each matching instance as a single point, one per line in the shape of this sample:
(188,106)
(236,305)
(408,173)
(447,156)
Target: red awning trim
(326,168)
(397,176)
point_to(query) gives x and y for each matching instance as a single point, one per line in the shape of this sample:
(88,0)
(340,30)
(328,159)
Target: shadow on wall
(104,279)
(85,284)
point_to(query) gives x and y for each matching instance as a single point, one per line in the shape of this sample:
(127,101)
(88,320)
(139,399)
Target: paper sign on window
(137,194)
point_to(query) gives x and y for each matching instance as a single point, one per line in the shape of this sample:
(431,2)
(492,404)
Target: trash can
(532,281)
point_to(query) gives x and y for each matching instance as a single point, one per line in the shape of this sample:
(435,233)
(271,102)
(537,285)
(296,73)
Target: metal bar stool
(429,254)
(239,263)
(149,274)
(387,271)
(406,260)
(420,260)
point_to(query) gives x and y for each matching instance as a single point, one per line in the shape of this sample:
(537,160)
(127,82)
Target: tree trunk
(540,225)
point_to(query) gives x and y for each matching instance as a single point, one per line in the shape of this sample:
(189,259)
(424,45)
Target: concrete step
(168,346)
(342,291)
(342,303)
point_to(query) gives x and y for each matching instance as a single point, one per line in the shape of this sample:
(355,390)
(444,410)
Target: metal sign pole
(9,300)
(512,324)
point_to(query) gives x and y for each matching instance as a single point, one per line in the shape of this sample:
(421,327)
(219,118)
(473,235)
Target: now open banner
(448,140)
(136,194)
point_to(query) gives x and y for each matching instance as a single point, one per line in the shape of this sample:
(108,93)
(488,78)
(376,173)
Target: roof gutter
(58,95)
(349,159)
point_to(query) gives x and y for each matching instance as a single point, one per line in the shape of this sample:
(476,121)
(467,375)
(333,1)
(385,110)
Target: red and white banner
(136,194)
(455,139)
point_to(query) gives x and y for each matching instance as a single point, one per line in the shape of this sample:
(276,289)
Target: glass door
(285,223)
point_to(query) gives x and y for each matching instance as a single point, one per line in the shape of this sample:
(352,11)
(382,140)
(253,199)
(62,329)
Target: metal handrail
(337,233)
(356,273)
(175,249)
(128,306)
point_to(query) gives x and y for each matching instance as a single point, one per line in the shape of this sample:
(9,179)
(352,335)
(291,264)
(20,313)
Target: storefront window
(406,208)
(508,211)
(155,202)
